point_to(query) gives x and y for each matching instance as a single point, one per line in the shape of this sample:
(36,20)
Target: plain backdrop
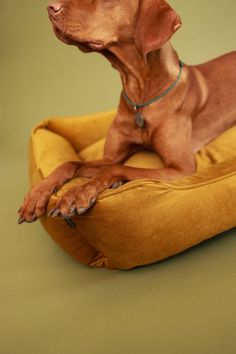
(51,304)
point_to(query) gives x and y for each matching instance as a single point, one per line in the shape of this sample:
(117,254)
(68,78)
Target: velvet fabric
(143,221)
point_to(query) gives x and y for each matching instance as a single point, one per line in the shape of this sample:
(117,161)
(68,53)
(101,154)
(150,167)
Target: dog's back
(220,76)
(218,113)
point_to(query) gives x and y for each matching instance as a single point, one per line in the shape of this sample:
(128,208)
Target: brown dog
(166,107)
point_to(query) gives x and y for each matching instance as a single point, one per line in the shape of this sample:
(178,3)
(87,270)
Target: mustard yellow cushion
(143,221)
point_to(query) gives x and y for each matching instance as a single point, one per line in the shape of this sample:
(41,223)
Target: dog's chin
(84,46)
(88,47)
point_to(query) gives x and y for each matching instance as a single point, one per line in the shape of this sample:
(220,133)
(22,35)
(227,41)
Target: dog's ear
(156,23)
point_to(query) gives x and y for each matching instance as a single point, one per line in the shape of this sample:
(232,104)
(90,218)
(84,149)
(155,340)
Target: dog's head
(97,24)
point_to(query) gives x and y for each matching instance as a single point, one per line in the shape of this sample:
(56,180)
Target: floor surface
(51,304)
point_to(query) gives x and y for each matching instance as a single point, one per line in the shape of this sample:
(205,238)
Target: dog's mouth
(85,46)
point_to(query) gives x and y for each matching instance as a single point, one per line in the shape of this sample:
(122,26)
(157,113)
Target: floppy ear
(155,25)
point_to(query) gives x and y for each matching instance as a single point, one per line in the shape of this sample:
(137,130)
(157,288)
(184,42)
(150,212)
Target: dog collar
(139,118)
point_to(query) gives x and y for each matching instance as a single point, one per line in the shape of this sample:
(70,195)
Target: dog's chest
(142,136)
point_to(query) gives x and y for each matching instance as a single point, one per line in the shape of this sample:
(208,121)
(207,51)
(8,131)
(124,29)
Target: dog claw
(34,218)
(56,213)
(55,190)
(70,222)
(73,210)
(82,211)
(21,220)
(116,185)
(92,202)
(51,212)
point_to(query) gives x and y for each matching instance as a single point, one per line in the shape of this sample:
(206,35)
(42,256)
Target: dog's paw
(35,204)
(76,201)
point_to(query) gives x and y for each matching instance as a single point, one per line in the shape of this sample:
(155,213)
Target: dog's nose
(55,7)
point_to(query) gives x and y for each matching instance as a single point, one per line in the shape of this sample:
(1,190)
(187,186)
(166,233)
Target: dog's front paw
(35,203)
(76,201)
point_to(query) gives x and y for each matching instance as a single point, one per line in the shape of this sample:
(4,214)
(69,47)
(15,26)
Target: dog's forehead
(123,11)
(105,3)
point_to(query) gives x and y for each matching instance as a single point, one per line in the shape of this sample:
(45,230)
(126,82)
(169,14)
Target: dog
(166,106)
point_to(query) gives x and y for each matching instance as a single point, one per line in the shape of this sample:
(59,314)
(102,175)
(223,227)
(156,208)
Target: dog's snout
(55,8)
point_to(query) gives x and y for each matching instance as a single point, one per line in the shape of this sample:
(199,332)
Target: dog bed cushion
(143,221)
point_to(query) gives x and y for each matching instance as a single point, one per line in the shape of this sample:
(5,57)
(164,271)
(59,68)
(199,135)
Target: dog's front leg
(35,202)
(80,198)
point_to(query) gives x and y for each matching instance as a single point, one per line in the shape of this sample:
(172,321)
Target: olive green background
(51,304)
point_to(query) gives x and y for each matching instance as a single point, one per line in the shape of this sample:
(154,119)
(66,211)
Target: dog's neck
(142,80)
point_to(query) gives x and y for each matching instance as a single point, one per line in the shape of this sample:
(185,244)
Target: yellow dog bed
(143,221)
